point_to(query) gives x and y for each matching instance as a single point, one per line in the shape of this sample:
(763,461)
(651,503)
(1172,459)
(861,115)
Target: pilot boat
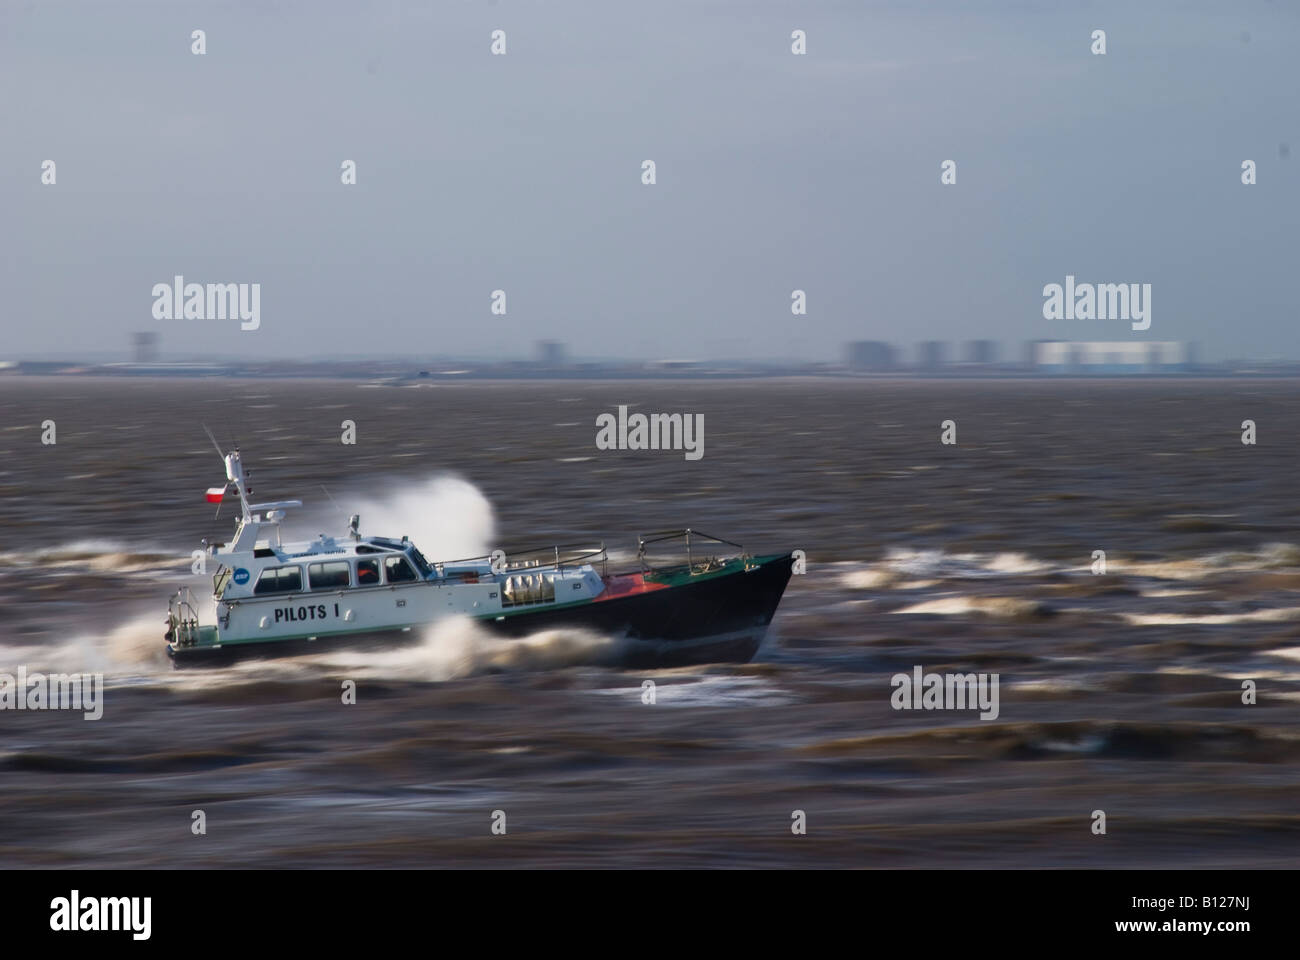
(273,598)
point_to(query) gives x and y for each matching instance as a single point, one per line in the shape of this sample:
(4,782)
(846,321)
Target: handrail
(660,536)
(182,618)
(518,559)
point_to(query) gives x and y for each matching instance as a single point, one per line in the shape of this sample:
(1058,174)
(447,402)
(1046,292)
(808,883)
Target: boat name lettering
(315,611)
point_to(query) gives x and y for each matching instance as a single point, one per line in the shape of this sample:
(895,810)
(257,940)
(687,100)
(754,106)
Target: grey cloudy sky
(522,172)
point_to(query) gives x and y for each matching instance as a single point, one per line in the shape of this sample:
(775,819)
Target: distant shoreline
(100,377)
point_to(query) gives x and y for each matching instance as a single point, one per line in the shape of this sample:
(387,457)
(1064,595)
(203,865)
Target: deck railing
(693,540)
(555,557)
(182,618)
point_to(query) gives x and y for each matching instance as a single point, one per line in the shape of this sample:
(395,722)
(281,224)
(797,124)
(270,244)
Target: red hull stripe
(627,585)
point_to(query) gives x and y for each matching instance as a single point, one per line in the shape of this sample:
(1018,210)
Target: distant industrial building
(145,347)
(981,351)
(930,355)
(551,353)
(1110,357)
(872,355)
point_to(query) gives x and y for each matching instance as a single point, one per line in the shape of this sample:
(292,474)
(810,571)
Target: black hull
(715,619)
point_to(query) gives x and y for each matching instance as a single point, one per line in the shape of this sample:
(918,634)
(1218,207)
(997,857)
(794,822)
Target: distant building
(551,353)
(1110,357)
(1031,351)
(930,354)
(870,355)
(145,346)
(981,351)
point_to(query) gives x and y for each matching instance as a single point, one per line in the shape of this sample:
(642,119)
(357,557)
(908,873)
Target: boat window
(279,580)
(421,564)
(397,570)
(367,573)
(328,576)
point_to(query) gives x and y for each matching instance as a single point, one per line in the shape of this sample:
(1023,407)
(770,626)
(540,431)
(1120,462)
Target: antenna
(215,446)
(234,472)
(333,501)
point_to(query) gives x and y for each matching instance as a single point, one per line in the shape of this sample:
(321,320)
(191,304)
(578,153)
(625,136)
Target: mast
(253,516)
(235,474)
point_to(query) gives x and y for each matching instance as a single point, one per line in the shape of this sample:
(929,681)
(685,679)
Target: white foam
(987,606)
(945,606)
(931,563)
(458,647)
(133,647)
(100,555)
(709,691)
(870,579)
(1274,615)
(1013,563)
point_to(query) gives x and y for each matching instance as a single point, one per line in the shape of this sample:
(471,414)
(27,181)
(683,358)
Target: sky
(522,172)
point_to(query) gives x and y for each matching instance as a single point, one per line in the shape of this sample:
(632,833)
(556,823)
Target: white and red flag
(215,494)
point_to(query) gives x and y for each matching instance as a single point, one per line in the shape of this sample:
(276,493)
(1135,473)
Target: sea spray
(445,516)
(457,647)
(125,644)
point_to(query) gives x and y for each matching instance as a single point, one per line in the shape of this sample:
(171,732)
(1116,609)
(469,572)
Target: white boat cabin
(265,589)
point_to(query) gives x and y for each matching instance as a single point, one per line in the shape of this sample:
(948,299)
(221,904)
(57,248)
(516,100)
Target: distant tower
(146,347)
(929,355)
(981,351)
(869,355)
(550,353)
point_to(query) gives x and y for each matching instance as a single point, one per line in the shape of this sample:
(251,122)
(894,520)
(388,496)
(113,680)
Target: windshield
(420,563)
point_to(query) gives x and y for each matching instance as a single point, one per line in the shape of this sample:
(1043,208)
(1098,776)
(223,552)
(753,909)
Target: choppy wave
(449,518)
(458,647)
(707,691)
(96,555)
(133,646)
(901,567)
(1129,740)
(1017,608)
(450,649)
(1267,615)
